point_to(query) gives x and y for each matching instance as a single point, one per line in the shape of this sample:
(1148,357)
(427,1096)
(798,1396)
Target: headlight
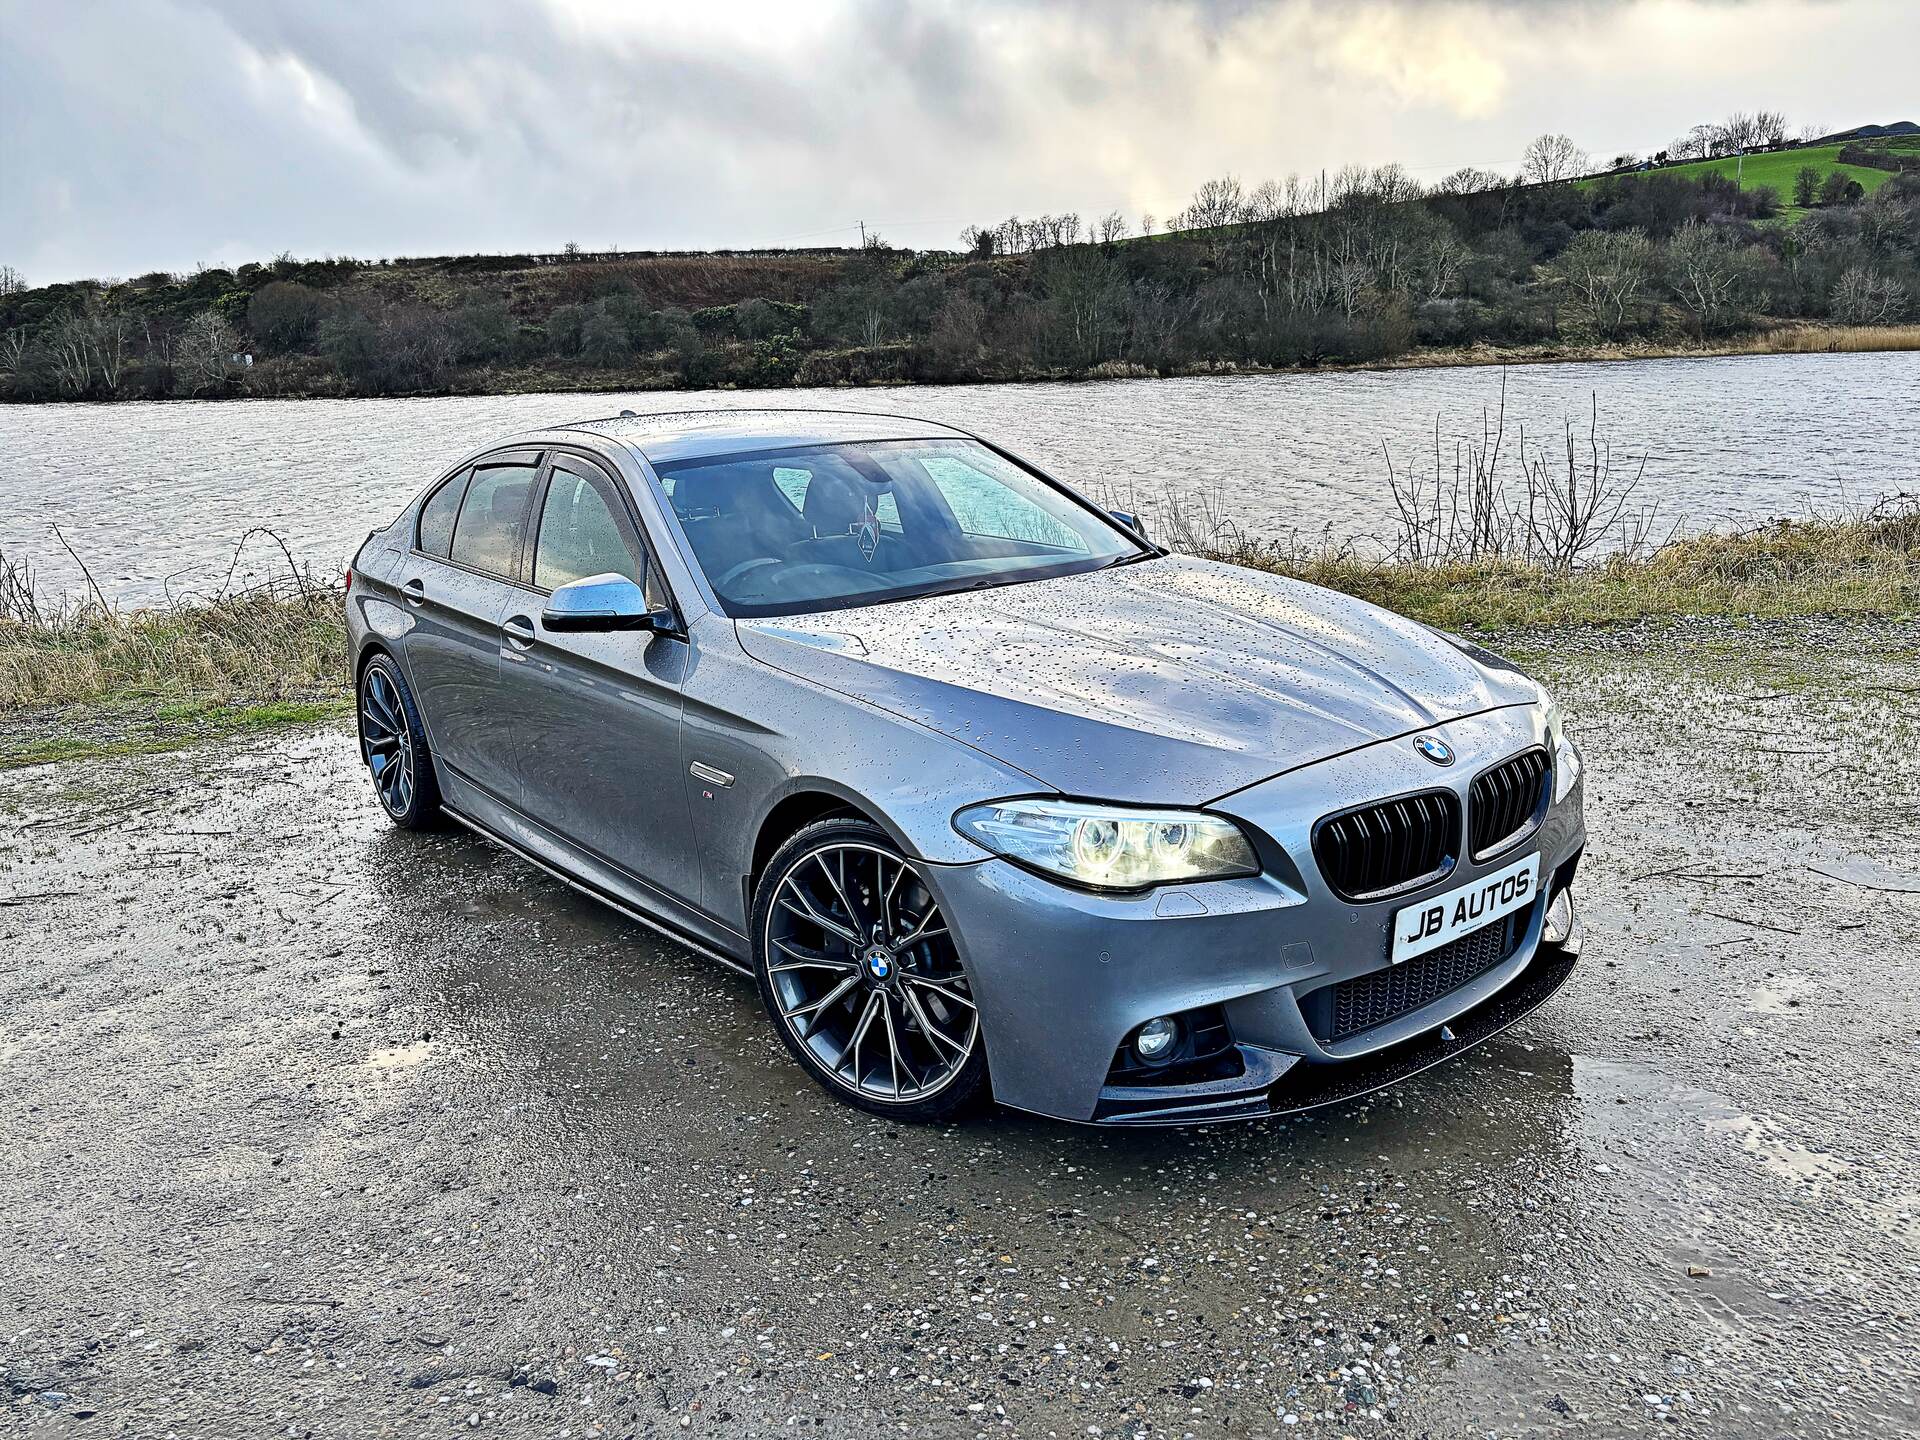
(1566,756)
(1108,848)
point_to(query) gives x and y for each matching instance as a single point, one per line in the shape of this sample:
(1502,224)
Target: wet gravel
(312,1127)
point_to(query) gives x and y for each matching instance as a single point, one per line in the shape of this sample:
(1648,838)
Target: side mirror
(1131,521)
(605,602)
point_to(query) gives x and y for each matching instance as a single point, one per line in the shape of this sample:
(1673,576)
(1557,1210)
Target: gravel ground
(316,1128)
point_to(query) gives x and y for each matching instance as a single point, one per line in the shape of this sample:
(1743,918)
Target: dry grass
(1831,339)
(1867,566)
(279,654)
(250,648)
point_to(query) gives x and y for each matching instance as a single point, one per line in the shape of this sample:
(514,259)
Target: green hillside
(1777,168)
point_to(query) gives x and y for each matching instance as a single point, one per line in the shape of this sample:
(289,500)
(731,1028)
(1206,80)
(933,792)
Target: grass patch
(1854,568)
(253,648)
(1828,339)
(1778,168)
(88,732)
(82,681)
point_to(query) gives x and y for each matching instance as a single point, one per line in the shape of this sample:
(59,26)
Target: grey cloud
(136,136)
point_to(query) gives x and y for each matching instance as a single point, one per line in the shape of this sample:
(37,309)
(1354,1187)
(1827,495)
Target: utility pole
(863,234)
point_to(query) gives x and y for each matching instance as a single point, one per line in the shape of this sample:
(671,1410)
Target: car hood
(1170,680)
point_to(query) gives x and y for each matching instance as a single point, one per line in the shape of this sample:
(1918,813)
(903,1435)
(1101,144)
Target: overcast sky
(158,134)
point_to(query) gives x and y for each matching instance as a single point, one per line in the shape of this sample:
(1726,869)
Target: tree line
(1356,267)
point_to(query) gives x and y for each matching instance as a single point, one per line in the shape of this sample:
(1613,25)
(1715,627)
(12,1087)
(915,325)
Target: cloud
(161,133)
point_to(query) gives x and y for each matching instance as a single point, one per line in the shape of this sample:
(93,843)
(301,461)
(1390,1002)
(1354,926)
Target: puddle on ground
(401,1057)
(1779,994)
(1779,1156)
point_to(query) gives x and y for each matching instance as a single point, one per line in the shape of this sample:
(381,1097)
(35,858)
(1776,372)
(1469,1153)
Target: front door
(459,580)
(598,714)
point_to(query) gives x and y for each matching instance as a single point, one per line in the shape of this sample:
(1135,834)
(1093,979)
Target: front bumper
(1063,976)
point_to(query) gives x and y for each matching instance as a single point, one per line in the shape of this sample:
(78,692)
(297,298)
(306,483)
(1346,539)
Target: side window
(487,536)
(436,516)
(582,534)
(983,506)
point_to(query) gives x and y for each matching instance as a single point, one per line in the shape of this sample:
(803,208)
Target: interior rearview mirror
(604,602)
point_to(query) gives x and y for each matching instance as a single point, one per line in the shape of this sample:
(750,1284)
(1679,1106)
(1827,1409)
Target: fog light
(1154,1040)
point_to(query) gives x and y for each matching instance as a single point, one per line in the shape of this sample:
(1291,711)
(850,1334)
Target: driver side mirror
(1131,521)
(605,602)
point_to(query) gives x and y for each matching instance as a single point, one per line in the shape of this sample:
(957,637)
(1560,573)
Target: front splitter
(1278,1084)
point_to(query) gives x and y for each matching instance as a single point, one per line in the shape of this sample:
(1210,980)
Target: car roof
(667,436)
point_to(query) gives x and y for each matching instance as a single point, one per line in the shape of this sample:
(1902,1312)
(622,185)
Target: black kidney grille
(1352,1006)
(1377,849)
(1507,799)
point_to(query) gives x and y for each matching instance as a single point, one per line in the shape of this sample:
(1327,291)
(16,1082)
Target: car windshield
(785,532)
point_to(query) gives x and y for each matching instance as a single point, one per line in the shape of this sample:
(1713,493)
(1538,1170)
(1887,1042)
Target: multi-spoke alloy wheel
(393,745)
(860,971)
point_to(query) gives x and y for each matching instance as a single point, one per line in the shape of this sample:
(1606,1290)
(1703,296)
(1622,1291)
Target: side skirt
(593,892)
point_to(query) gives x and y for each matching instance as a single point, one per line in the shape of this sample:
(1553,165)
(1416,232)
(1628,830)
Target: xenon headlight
(1106,847)
(1566,756)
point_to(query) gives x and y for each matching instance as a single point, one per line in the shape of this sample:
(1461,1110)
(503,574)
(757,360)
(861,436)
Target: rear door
(459,580)
(597,714)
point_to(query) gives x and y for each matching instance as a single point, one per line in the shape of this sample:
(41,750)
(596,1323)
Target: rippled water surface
(157,495)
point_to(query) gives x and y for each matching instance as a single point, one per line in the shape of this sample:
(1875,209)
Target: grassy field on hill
(1777,169)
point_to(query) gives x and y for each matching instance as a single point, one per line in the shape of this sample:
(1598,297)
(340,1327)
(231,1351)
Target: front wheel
(393,743)
(861,976)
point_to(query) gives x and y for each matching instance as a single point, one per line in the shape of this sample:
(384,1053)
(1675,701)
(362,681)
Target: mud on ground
(314,1127)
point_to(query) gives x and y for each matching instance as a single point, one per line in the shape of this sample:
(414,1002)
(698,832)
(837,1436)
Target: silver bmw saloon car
(990,794)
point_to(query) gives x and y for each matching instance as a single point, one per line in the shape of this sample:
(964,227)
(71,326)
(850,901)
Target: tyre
(861,977)
(393,743)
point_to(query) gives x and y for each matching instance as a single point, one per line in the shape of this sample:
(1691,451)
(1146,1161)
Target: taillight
(349,577)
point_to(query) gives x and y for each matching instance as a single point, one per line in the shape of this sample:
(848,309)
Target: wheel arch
(787,817)
(368,651)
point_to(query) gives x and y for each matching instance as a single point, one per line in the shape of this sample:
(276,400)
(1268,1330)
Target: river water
(153,497)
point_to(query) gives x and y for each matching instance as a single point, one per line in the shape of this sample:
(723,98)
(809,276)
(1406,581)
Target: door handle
(415,592)
(519,632)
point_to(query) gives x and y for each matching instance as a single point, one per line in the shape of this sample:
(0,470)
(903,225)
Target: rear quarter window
(437,516)
(487,535)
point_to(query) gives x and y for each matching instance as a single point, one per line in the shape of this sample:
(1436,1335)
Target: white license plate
(1465,908)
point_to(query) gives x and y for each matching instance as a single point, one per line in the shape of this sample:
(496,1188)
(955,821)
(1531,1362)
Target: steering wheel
(734,572)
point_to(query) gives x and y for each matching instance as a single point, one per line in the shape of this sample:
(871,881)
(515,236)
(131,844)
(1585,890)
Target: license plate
(1447,916)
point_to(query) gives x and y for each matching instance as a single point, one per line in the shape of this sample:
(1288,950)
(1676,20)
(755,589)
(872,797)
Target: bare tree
(1865,297)
(1708,276)
(1111,227)
(1438,262)
(1739,131)
(12,282)
(1552,158)
(1469,181)
(13,349)
(1215,203)
(1606,271)
(207,348)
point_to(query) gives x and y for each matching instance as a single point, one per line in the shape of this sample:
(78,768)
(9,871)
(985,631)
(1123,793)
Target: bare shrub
(1565,503)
